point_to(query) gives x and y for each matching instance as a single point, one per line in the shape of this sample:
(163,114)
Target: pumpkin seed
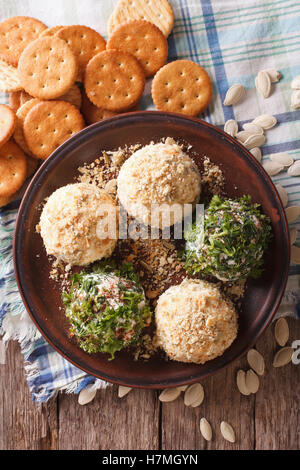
(263,84)
(295,99)
(253,128)
(283,195)
(87,395)
(292,213)
(231,127)
(122,391)
(241,382)
(283,357)
(256,361)
(194,395)
(273,168)
(169,394)
(281,331)
(295,254)
(252,381)
(234,94)
(295,85)
(293,235)
(205,429)
(242,136)
(227,432)
(255,140)
(266,121)
(283,158)
(183,388)
(256,152)
(294,170)
(274,75)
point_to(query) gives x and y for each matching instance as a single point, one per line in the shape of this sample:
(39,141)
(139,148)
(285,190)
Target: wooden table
(268,420)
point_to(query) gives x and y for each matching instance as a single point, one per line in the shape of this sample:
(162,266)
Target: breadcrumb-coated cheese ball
(69,222)
(194,322)
(159,174)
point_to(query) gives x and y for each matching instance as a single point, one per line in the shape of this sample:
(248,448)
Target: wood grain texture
(268,420)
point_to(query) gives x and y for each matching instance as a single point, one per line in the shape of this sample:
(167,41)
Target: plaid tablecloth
(233,40)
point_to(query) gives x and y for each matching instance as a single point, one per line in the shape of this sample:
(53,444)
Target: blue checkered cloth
(233,40)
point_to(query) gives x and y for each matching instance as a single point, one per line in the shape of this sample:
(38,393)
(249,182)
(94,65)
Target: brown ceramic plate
(243,175)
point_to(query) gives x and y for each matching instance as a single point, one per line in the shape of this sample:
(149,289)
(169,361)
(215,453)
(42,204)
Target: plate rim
(173,382)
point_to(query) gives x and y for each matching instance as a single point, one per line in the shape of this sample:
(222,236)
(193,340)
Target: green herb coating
(231,242)
(106,308)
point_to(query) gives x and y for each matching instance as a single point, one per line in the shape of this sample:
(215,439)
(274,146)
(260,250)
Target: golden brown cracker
(4,200)
(159,13)
(7,123)
(9,78)
(12,168)
(182,87)
(49,32)
(145,41)
(47,68)
(85,43)
(114,80)
(15,34)
(49,124)
(25,97)
(14,100)
(21,115)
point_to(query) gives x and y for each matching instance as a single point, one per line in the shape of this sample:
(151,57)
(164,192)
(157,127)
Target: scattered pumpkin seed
(295,99)
(205,429)
(256,361)
(87,395)
(295,84)
(273,168)
(122,391)
(227,432)
(263,84)
(241,382)
(255,140)
(283,357)
(283,195)
(295,254)
(234,94)
(253,128)
(242,136)
(294,170)
(252,381)
(266,121)
(292,213)
(231,127)
(256,152)
(194,395)
(281,331)
(169,394)
(283,158)
(274,75)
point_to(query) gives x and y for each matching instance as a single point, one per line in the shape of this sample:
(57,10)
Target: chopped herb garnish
(231,241)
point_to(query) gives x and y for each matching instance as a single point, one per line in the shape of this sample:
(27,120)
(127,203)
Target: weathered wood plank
(110,423)
(23,425)
(223,402)
(278,400)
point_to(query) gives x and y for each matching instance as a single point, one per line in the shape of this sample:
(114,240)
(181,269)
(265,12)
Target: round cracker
(4,200)
(15,34)
(12,168)
(9,78)
(182,87)
(7,123)
(114,80)
(49,32)
(14,100)
(47,68)
(159,13)
(85,43)
(145,41)
(49,124)
(21,115)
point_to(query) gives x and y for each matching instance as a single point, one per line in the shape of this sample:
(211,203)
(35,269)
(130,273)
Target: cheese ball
(70,221)
(161,175)
(194,322)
